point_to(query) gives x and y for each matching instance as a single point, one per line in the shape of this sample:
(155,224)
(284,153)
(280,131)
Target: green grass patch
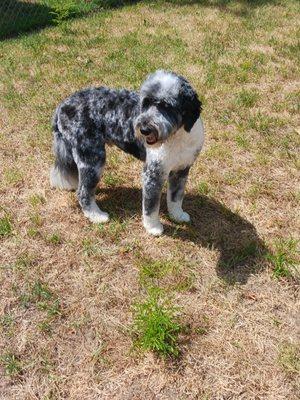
(156,269)
(11,364)
(259,189)
(55,239)
(13,176)
(247,98)
(170,275)
(41,292)
(112,180)
(289,358)
(36,200)
(263,123)
(156,325)
(23,261)
(220,152)
(5,226)
(36,219)
(43,299)
(242,141)
(6,322)
(203,188)
(114,229)
(284,258)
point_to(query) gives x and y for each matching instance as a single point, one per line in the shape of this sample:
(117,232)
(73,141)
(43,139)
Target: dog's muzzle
(150,134)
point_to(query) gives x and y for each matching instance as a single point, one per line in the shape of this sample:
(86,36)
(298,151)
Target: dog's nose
(146,131)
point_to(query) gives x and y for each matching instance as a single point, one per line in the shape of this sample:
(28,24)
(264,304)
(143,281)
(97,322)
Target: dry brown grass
(67,288)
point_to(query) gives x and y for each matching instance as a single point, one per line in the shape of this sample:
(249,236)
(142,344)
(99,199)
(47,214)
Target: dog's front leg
(177,182)
(153,180)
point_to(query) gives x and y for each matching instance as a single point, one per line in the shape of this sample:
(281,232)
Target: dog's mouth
(151,138)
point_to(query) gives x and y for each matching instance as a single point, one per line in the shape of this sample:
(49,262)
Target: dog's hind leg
(90,169)
(64,173)
(177,182)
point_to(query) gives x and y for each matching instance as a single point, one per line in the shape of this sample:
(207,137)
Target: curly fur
(160,126)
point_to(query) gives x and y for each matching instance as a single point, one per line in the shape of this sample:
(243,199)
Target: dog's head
(167,103)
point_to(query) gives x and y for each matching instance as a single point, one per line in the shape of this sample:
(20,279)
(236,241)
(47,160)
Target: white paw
(155,230)
(95,215)
(99,218)
(181,216)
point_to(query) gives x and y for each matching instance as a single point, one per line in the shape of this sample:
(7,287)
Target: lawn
(208,311)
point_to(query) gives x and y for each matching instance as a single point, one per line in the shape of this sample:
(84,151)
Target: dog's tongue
(151,139)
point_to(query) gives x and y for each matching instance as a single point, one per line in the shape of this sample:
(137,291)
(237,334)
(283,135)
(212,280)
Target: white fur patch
(62,181)
(175,210)
(152,224)
(95,215)
(180,150)
(169,83)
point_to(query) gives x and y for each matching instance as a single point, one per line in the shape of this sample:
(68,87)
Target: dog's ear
(191,105)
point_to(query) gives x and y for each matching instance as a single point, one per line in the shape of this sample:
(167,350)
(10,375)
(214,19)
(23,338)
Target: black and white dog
(160,125)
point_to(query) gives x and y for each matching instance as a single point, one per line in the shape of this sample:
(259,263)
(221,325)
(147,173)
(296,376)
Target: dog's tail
(64,173)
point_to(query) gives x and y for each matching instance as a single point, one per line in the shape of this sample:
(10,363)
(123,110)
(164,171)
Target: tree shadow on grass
(214,226)
(17,17)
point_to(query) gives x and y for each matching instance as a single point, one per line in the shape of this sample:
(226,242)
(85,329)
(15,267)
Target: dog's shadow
(213,226)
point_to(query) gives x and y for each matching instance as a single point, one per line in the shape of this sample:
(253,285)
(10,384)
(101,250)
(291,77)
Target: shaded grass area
(18,16)
(241,251)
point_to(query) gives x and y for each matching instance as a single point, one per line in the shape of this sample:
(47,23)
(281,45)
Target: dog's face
(167,103)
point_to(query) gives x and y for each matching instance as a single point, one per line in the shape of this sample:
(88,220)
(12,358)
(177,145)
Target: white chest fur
(180,150)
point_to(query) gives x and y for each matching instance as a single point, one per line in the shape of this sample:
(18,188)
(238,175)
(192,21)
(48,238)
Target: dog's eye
(164,106)
(146,102)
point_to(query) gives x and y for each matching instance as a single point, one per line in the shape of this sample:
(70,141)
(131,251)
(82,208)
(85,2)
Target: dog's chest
(180,150)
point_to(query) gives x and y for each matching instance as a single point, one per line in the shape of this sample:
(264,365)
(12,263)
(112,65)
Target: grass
(171,275)
(11,364)
(203,188)
(18,17)
(54,238)
(112,180)
(247,98)
(13,176)
(5,226)
(38,296)
(6,321)
(156,269)
(36,200)
(23,261)
(156,326)
(214,291)
(284,259)
(289,358)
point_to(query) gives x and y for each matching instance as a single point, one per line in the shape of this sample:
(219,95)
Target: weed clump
(156,326)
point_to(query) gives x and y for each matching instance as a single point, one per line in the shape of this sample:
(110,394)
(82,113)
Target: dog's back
(87,120)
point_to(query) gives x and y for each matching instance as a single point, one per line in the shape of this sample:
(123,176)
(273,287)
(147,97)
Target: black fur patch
(177,181)
(70,111)
(191,105)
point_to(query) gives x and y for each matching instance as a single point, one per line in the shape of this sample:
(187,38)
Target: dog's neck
(180,150)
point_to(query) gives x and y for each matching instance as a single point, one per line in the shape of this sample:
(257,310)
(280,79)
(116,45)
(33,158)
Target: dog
(160,125)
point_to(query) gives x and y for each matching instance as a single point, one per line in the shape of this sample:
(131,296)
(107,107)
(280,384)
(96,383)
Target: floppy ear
(191,105)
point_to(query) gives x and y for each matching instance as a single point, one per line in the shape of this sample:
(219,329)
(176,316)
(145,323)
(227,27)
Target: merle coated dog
(159,125)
